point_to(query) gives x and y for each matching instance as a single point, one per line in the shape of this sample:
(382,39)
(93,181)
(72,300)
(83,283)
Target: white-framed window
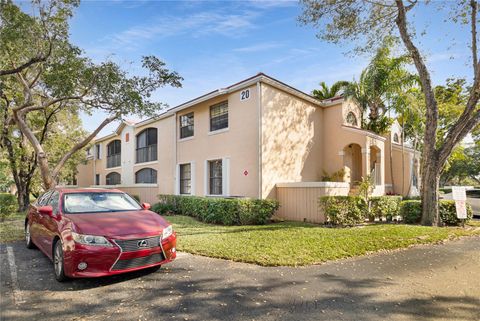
(187,125)
(185,179)
(215,174)
(217,177)
(219,116)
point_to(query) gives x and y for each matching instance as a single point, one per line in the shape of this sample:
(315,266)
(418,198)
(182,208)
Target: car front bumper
(104,261)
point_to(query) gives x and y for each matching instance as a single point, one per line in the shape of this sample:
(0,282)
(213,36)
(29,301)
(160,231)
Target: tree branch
(432,107)
(473,4)
(80,145)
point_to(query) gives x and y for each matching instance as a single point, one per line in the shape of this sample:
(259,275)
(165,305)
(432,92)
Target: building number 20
(245,94)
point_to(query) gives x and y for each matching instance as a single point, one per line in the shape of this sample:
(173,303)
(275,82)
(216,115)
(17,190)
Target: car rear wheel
(28,237)
(58,262)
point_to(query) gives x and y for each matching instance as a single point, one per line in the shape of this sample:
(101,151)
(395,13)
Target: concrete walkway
(439,282)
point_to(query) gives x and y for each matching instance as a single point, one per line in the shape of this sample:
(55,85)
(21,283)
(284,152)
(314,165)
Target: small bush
(448,212)
(411,211)
(136,197)
(8,205)
(235,211)
(343,210)
(385,206)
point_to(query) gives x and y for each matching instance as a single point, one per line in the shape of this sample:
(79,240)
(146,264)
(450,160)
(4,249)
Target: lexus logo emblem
(142,243)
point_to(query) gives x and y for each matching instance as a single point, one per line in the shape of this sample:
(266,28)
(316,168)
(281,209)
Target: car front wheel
(58,262)
(28,237)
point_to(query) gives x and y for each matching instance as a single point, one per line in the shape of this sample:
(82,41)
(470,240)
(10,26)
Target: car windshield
(95,202)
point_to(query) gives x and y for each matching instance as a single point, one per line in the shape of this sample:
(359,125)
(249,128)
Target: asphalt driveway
(440,282)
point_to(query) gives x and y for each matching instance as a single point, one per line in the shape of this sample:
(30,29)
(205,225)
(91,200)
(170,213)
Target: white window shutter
(177,180)
(192,178)
(226,176)
(205,178)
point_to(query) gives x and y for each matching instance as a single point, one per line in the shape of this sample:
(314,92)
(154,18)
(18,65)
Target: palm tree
(381,82)
(326,93)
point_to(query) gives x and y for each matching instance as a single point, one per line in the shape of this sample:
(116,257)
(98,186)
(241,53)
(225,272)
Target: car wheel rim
(27,234)
(58,260)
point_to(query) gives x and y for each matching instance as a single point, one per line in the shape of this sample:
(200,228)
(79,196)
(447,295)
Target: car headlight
(91,240)
(167,232)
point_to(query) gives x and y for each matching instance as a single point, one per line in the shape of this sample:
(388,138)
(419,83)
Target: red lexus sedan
(92,232)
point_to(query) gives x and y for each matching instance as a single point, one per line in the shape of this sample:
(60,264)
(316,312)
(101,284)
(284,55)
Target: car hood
(129,223)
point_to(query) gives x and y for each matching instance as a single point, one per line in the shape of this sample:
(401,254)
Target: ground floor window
(215,177)
(113,178)
(97,179)
(146,176)
(185,179)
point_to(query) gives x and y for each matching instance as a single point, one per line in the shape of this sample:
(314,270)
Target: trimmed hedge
(8,205)
(343,210)
(385,207)
(226,211)
(411,211)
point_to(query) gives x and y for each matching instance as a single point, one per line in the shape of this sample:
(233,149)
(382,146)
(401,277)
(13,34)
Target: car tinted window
(53,202)
(42,200)
(98,202)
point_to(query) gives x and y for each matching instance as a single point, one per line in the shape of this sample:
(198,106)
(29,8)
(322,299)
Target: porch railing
(147,154)
(113,161)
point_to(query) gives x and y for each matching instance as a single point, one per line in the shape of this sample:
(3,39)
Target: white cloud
(259,47)
(198,24)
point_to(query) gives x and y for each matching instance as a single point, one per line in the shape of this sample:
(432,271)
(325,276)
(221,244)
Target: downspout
(94,164)
(175,154)
(259,110)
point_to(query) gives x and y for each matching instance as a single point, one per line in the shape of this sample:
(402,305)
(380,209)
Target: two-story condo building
(258,138)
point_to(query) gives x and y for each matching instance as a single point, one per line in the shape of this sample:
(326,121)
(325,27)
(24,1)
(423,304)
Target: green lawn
(12,228)
(292,243)
(287,243)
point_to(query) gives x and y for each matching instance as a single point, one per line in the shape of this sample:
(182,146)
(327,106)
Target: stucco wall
(85,174)
(238,144)
(291,140)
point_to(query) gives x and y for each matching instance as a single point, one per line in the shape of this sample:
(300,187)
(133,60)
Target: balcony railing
(147,154)
(113,161)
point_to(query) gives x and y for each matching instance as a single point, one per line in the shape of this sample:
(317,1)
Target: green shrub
(343,210)
(234,211)
(411,211)
(448,212)
(8,205)
(385,206)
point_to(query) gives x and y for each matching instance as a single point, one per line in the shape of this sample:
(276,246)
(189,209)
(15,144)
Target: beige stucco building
(258,138)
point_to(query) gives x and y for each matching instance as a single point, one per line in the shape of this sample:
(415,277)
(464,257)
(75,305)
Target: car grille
(138,262)
(132,245)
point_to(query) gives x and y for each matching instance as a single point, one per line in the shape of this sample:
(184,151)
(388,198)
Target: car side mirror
(146,206)
(46,210)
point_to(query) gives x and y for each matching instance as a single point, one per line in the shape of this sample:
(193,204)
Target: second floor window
(98,151)
(352,119)
(147,145)
(219,116)
(186,125)
(185,179)
(146,176)
(114,149)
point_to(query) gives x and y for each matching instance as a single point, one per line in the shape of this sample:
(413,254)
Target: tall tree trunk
(23,196)
(429,194)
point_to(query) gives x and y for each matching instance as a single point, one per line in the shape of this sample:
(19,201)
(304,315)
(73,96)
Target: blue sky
(213,44)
